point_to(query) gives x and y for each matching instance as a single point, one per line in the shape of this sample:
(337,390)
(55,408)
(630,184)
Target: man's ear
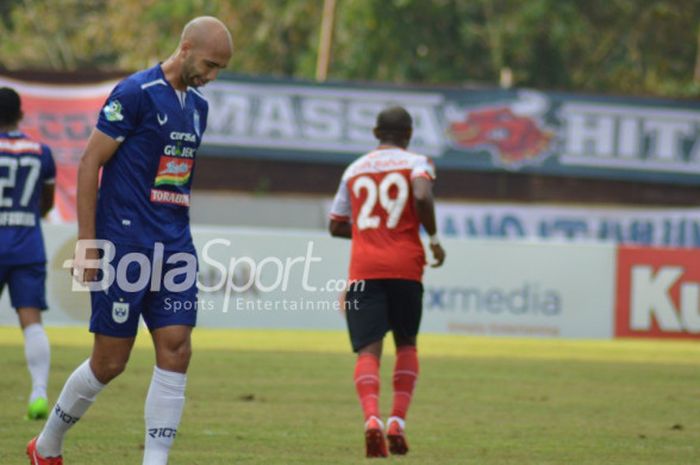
(185,48)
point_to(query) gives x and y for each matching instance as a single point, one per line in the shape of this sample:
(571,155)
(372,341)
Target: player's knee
(107,370)
(174,358)
(182,353)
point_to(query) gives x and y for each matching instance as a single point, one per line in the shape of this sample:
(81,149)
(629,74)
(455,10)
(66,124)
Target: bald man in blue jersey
(146,140)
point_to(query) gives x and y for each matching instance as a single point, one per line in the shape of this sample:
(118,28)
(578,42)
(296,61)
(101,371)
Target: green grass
(283,397)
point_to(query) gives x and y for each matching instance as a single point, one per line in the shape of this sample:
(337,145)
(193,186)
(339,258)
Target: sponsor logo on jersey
(177,150)
(18,146)
(113,111)
(120,312)
(173,171)
(184,136)
(174,198)
(17,218)
(162,120)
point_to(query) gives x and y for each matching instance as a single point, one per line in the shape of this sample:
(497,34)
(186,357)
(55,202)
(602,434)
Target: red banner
(61,116)
(658,293)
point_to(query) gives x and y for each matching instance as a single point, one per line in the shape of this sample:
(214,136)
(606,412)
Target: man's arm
(46,202)
(341,210)
(425,209)
(100,148)
(340,229)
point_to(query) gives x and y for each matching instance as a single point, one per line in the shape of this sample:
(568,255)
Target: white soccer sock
(164,404)
(77,396)
(38,355)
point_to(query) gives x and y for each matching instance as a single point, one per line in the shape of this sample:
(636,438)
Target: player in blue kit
(146,140)
(27,173)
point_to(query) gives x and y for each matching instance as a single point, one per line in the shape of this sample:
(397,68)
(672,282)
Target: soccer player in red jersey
(383,199)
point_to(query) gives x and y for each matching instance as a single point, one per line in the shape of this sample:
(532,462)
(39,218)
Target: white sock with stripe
(77,396)
(163,410)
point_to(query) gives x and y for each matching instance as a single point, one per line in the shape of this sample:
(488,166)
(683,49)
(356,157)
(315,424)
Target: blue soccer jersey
(144,194)
(25,166)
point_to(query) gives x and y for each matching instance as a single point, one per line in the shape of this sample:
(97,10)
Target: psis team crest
(514,134)
(120,312)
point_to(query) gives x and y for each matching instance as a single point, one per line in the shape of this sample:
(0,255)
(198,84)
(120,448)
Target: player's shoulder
(18,142)
(360,165)
(140,81)
(415,157)
(377,161)
(45,149)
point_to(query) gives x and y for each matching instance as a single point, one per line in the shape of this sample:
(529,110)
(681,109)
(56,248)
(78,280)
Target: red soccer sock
(367,383)
(405,375)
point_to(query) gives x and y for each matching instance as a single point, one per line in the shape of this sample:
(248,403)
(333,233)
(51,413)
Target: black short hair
(394,125)
(394,119)
(10,107)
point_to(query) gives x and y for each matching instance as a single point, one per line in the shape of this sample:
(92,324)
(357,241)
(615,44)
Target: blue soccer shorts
(116,310)
(27,284)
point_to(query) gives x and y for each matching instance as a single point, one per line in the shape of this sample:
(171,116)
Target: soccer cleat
(38,409)
(396,436)
(375,443)
(36,459)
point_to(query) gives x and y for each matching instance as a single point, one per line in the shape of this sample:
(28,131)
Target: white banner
(498,288)
(271,279)
(647,226)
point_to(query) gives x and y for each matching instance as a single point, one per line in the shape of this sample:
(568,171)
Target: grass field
(281,397)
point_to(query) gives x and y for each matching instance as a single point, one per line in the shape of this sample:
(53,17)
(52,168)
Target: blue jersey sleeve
(48,168)
(120,113)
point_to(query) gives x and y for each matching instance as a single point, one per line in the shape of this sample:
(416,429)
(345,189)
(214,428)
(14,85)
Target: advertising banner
(649,140)
(486,129)
(658,293)
(497,288)
(61,116)
(270,279)
(663,227)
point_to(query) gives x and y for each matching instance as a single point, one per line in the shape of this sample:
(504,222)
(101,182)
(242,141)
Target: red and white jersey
(376,195)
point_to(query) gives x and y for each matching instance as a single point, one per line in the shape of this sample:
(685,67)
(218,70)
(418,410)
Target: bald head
(206,30)
(205,49)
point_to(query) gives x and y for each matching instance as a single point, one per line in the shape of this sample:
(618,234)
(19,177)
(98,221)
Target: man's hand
(438,255)
(81,273)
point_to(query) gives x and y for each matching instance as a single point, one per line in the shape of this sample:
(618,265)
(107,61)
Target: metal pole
(326,40)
